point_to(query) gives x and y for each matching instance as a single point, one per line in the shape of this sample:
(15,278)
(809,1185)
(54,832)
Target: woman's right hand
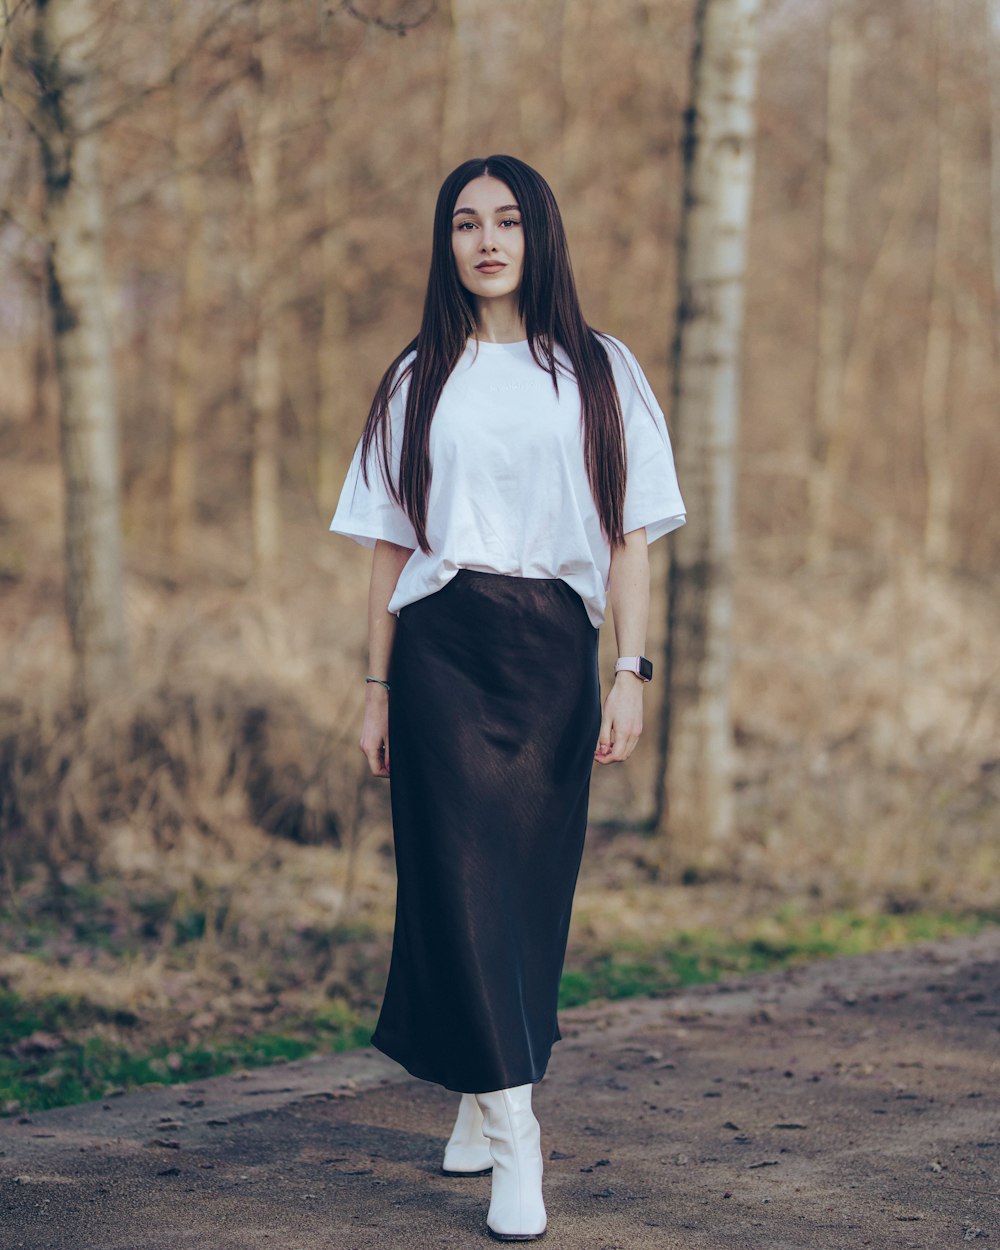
(374,742)
(387,564)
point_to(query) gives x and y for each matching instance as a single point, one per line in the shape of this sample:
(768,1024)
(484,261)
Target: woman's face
(487,239)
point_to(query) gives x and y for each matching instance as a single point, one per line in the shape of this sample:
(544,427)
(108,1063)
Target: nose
(486,243)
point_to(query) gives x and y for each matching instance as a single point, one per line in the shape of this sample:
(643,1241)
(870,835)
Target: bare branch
(400,27)
(7,14)
(169,79)
(21,104)
(31,227)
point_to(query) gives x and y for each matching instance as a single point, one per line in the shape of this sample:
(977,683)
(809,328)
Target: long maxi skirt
(494,716)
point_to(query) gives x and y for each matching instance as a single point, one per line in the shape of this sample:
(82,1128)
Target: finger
(385,756)
(604,753)
(624,741)
(628,747)
(604,740)
(621,744)
(631,742)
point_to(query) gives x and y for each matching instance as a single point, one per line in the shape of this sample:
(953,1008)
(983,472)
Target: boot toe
(467,1161)
(514,1236)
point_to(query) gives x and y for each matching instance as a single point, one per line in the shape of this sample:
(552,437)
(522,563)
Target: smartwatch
(637,664)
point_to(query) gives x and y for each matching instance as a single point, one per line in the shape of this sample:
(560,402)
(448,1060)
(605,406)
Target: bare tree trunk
(184,417)
(263,135)
(490,47)
(540,102)
(873,306)
(65,41)
(833,272)
(573,150)
(938,356)
(482,64)
(698,815)
(42,372)
(993,43)
(334,361)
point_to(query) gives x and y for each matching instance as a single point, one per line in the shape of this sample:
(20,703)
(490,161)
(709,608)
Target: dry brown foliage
(866,692)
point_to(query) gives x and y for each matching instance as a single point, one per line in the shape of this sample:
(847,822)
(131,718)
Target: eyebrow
(504,208)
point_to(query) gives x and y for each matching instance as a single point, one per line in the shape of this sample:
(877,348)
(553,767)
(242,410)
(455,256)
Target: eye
(462,224)
(510,221)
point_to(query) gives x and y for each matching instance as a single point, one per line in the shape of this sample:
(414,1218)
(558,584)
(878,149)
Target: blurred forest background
(204,851)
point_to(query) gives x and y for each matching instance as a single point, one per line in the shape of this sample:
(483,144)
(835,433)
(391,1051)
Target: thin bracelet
(379,680)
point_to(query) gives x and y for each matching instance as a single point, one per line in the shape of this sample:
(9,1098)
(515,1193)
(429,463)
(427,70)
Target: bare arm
(628,595)
(387,564)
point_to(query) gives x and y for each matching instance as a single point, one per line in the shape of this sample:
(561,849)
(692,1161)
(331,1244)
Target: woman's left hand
(621,724)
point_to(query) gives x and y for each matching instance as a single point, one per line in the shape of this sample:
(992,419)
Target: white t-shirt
(509,491)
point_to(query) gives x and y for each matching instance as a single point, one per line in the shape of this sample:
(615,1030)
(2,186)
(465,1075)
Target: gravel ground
(850,1103)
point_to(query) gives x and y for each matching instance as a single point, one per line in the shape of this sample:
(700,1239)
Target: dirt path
(847,1104)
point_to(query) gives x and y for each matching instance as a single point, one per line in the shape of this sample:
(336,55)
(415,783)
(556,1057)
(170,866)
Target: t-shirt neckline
(490,346)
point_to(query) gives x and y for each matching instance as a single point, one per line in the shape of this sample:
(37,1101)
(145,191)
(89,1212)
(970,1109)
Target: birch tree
(698,814)
(67,121)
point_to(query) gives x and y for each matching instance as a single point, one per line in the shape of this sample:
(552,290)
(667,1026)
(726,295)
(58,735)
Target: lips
(491,266)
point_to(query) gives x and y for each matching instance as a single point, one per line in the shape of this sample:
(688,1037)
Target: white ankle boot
(517,1212)
(468,1151)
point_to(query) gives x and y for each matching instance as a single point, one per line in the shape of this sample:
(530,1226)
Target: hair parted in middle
(550,308)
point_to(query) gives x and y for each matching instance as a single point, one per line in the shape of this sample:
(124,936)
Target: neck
(498,321)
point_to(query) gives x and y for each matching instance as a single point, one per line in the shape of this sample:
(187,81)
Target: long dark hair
(550,308)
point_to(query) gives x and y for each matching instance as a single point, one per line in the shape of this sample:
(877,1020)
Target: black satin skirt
(494,716)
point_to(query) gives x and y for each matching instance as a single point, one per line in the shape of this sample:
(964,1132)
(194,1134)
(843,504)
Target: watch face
(645,668)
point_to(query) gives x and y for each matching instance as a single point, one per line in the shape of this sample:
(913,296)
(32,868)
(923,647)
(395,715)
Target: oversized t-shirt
(509,492)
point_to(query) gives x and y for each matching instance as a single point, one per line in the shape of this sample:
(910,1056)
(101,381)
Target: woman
(512,471)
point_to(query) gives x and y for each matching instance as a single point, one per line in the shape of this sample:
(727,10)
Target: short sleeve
(652,495)
(369,512)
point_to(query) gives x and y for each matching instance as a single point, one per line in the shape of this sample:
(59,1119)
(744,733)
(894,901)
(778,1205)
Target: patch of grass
(785,939)
(41,1067)
(20,1018)
(56,1050)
